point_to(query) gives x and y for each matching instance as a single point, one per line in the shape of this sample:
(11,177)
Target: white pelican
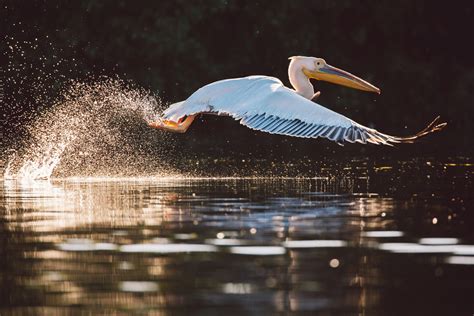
(263,103)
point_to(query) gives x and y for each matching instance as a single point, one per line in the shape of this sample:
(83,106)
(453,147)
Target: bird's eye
(318,63)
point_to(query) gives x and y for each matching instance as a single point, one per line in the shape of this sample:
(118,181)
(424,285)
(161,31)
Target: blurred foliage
(420,53)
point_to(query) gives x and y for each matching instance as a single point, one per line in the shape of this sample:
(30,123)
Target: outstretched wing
(265,104)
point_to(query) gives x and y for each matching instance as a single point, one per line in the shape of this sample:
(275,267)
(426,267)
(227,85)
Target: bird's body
(263,103)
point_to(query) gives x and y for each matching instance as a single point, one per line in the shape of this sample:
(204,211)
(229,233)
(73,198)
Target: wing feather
(265,104)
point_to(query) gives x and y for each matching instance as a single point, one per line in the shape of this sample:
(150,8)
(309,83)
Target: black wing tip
(433,127)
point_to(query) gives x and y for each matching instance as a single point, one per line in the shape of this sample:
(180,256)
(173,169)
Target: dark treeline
(420,53)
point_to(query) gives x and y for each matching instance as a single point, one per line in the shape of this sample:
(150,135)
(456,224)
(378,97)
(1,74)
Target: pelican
(263,103)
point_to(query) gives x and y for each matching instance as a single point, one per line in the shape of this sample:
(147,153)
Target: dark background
(420,53)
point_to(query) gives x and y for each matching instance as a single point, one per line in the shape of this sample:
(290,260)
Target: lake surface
(377,239)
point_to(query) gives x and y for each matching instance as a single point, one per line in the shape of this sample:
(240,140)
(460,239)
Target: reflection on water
(236,246)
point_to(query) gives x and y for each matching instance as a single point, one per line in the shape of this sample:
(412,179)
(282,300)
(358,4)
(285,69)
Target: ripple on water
(226,242)
(314,243)
(238,288)
(383,234)
(167,248)
(439,241)
(419,248)
(258,250)
(461,260)
(138,286)
(86,245)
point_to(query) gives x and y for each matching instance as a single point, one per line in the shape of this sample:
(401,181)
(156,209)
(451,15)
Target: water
(97,127)
(390,239)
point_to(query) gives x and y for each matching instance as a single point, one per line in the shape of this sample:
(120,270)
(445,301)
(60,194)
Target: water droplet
(334,263)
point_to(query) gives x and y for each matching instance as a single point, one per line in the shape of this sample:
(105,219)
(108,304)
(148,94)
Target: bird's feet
(170,126)
(158,124)
(162,124)
(316,96)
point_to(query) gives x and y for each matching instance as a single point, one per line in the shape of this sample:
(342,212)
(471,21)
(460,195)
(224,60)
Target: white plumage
(263,103)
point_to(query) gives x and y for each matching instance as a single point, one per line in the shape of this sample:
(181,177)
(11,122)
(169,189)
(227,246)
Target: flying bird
(263,103)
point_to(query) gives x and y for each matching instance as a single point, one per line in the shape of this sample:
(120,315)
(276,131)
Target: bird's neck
(299,81)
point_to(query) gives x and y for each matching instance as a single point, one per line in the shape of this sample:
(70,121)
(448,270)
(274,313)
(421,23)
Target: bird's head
(318,69)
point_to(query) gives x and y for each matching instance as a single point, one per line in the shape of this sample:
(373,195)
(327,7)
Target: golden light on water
(159,238)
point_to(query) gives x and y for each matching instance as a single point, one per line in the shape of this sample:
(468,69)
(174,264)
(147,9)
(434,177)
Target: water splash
(93,129)
(39,167)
